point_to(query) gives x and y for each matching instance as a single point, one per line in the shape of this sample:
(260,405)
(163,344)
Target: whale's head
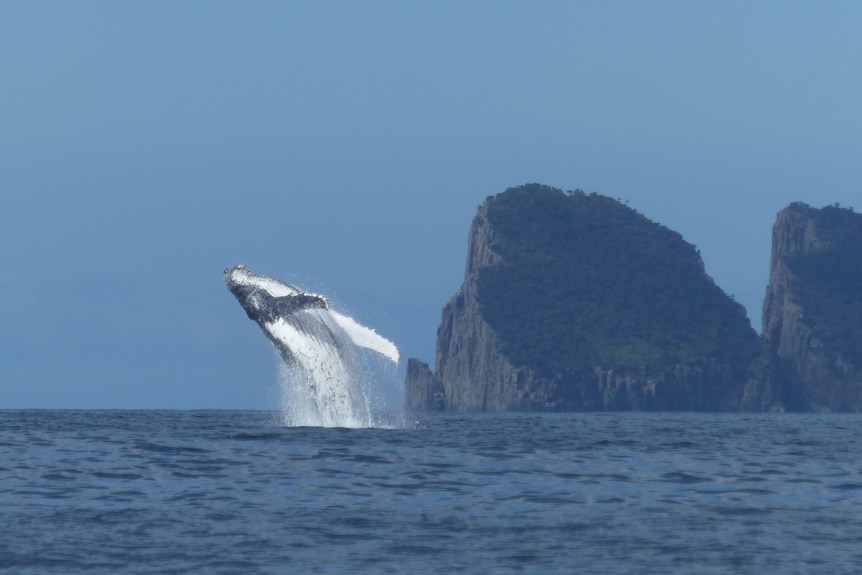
(237,275)
(240,282)
(241,279)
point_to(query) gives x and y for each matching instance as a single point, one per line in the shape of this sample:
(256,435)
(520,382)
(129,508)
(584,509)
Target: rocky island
(576,302)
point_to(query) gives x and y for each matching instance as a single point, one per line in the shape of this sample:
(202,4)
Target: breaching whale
(296,322)
(325,383)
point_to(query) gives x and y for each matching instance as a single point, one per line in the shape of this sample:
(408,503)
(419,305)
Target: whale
(303,327)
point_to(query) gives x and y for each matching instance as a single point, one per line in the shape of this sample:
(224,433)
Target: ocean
(236,492)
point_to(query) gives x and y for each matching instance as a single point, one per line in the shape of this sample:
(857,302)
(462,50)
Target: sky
(345,146)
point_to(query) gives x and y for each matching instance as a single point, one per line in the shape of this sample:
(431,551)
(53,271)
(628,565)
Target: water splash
(331,383)
(327,381)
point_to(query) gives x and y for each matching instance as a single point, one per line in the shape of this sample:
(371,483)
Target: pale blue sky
(344,147)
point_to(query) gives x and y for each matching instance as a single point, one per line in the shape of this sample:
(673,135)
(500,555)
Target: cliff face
(424,392)
(468,361)
(812,312)
(573,302)
(469,365)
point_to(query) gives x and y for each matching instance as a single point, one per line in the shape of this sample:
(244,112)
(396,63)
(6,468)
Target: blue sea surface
(234,492)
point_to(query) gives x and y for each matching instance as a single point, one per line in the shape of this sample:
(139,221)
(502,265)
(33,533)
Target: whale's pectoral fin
(365,336)
(291,304)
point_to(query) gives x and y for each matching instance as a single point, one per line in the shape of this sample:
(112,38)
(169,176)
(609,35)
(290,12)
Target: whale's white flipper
(366,337)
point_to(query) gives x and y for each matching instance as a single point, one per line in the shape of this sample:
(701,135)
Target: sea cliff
(575,302)
(812,313)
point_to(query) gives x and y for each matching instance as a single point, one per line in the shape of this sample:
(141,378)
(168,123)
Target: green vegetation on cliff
(829,280)
(586,281)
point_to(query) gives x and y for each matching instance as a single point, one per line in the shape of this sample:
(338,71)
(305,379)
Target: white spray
(331,383)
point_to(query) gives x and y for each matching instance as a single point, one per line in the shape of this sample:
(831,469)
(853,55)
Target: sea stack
(812,312)
(576,302)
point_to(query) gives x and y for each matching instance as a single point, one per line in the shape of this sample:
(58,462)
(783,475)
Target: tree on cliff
(586,281)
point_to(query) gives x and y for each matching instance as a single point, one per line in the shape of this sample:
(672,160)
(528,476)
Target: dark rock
(812,312)
(424,391)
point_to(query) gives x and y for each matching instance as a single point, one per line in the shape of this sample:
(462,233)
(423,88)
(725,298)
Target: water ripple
(228,492)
